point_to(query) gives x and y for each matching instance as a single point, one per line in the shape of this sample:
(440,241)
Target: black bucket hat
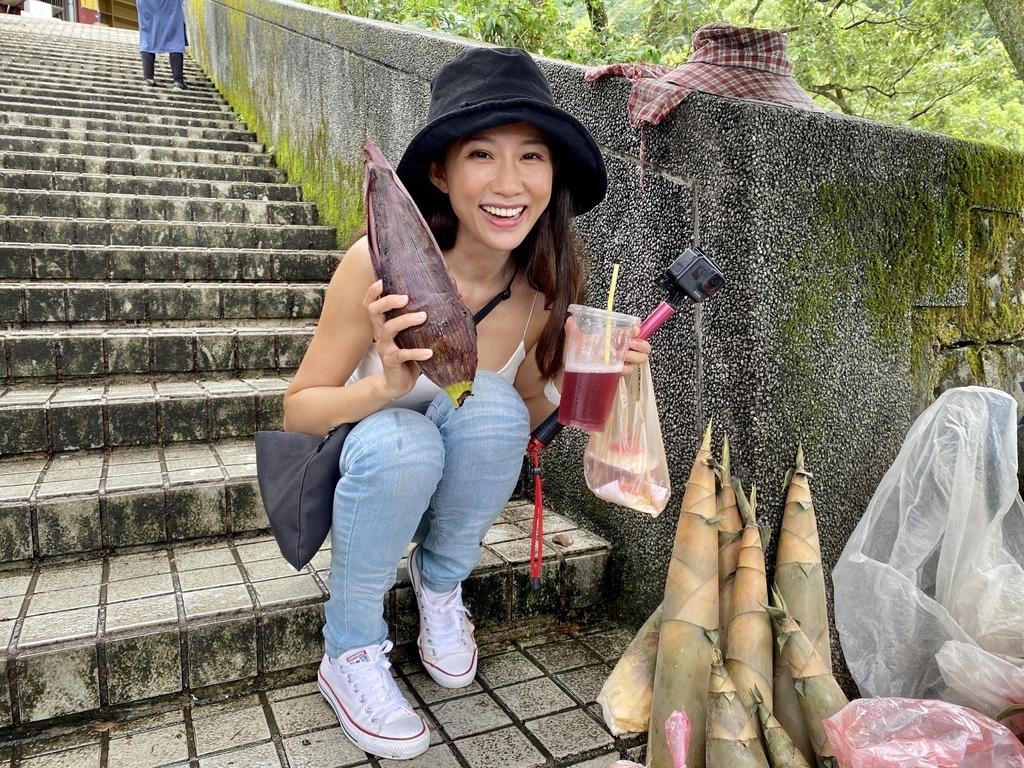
(484,88)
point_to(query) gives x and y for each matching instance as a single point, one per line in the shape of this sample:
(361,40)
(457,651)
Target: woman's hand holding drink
(595,352)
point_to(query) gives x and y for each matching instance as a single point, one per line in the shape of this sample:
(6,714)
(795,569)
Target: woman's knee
(493,405)
(391,441)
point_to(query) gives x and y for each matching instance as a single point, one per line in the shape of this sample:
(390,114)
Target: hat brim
(580,162)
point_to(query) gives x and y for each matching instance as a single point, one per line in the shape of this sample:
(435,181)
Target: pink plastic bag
(677,732)
(896,732)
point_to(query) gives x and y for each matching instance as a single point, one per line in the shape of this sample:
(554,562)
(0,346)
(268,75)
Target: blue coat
(161,26)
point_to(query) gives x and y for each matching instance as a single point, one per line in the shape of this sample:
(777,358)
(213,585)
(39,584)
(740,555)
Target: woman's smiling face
(499,183)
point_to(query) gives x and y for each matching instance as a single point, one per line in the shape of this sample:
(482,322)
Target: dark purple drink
(587,398)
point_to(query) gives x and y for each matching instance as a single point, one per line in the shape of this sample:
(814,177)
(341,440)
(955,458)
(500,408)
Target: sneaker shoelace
(445,624)
(377,690)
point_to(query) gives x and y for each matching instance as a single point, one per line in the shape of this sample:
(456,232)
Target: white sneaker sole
(390,749)
(442,677)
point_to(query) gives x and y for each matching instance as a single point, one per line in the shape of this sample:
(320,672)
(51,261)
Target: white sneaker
(446,642)
(371,710)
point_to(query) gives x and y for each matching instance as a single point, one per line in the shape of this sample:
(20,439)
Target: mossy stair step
(96,414)
(185,616)
(104,184)
(134,207)
(115,82)
(223,131)
(116,137)
(199,234)
(95,86)
(55,145)
(98,92)
(80,64)
(36,261)
(44,303)
(113,88)
(129,108)
(65,357)
(119,57)
(107,166)
(88,502)
(53,108)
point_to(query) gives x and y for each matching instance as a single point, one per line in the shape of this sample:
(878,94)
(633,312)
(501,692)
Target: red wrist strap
(537,531)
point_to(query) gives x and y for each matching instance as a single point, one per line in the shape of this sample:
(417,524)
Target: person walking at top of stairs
(162,30)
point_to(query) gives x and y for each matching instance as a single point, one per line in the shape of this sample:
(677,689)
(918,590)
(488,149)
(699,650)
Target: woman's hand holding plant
(400,365)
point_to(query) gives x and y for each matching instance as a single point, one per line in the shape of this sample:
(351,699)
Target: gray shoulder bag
(297,475)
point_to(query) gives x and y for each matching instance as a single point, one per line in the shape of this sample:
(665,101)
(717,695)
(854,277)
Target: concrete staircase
(159,282)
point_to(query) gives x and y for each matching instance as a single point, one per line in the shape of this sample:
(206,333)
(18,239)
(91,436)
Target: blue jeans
(442,478)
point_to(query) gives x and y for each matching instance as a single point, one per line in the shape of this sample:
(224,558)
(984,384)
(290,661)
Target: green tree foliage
(936,65)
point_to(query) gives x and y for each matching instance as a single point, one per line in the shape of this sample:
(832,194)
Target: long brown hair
(551,257)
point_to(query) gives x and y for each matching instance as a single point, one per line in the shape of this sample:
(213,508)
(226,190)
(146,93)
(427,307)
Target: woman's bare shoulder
(355,265)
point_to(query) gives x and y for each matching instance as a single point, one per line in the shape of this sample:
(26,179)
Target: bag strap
(506,294)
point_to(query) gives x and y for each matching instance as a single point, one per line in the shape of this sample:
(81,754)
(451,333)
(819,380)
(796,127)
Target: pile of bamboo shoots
(752,673)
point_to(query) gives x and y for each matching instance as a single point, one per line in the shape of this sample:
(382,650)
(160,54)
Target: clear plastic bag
(625,463)
(929,590)
(919,733)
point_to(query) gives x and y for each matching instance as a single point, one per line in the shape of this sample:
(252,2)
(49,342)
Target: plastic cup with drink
(596,350)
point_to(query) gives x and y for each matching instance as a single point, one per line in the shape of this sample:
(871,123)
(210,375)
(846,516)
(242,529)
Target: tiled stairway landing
(108,631)
(159,282)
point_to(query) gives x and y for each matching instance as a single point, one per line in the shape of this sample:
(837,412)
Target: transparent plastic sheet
(929,590)
(919,733)
(625,463)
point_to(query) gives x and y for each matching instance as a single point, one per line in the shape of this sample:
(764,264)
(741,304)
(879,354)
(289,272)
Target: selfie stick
(693,276)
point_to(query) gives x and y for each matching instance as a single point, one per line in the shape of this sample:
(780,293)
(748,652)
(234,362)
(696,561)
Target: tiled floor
(532,704)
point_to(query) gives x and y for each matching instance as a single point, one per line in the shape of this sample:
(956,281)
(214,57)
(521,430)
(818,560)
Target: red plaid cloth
(742,62)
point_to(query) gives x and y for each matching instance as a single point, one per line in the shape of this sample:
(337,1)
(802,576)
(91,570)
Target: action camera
(695,274)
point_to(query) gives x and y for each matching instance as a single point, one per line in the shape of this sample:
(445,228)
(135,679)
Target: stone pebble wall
(863,260)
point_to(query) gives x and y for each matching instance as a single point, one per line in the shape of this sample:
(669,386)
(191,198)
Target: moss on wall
(333,184)
(897,248)
(987,189)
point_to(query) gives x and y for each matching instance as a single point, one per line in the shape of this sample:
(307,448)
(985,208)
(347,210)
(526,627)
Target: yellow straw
(611,288)
(611,301)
